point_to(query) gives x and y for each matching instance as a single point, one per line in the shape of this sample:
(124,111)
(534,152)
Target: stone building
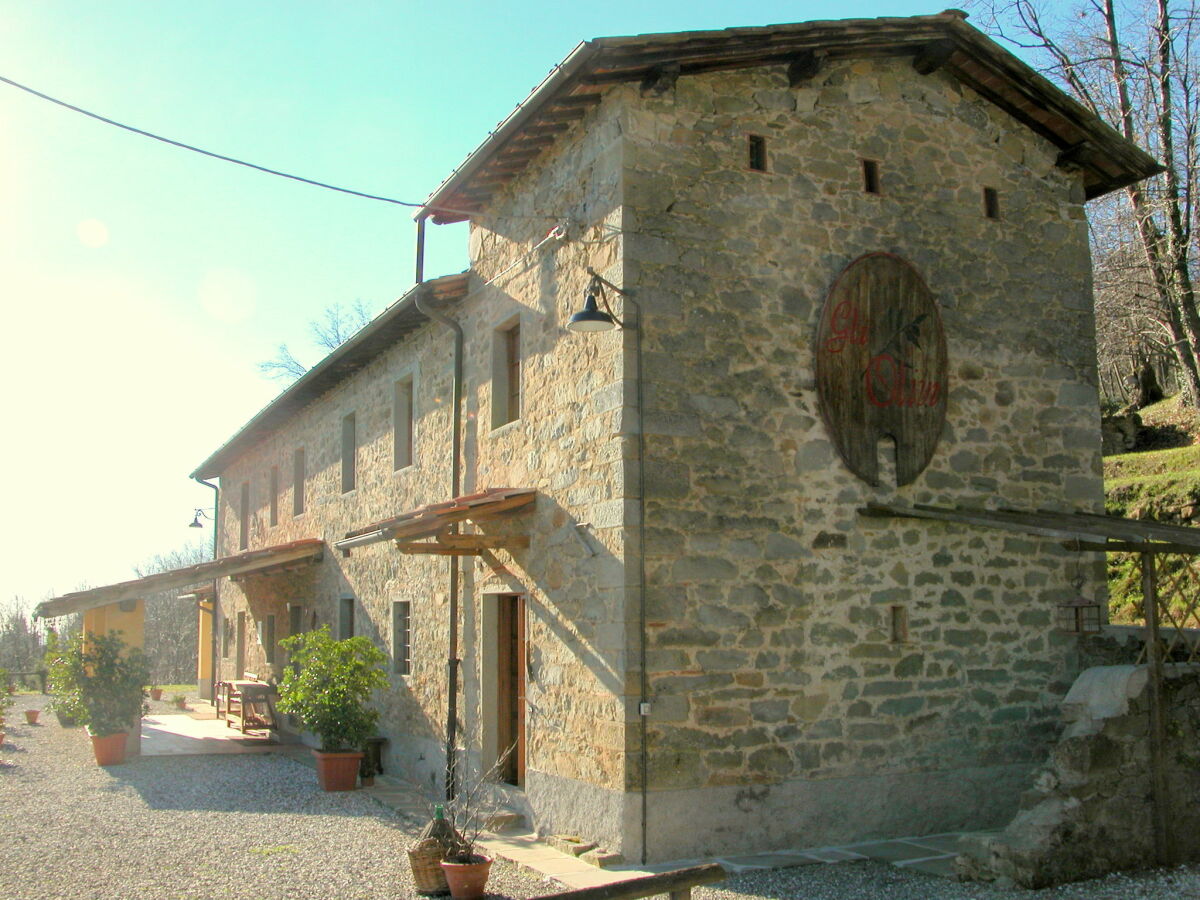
(664,590)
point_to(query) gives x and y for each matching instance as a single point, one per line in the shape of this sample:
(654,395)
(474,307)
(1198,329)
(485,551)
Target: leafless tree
(336,326)
(1135,66)
(21,639)
(172,622)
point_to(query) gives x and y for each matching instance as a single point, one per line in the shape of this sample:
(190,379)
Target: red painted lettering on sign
(890,382)
(846,326)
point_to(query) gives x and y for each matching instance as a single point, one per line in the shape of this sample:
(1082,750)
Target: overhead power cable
(222,157)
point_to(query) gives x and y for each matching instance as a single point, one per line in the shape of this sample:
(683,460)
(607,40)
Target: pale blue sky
(141,284)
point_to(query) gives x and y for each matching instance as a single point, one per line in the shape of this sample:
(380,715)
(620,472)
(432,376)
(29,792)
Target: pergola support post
(1154,659)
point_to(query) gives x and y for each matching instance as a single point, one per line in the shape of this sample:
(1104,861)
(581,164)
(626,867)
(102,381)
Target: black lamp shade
(591,317)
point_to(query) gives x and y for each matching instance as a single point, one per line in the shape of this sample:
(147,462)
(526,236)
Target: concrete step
(506,821)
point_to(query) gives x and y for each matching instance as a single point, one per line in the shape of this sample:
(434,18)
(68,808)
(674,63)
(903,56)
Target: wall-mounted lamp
(196,523)
(592,318)
(1079,615)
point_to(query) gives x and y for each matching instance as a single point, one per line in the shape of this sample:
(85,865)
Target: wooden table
(250,702)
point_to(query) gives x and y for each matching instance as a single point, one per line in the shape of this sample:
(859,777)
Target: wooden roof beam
(575,101)
(660,79)
(805,67)
(933,56)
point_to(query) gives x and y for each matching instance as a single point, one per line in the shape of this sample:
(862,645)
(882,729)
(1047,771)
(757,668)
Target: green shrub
(111,679)
(65,697)
(328,685)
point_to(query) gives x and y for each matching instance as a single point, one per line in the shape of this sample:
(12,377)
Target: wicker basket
(426,861)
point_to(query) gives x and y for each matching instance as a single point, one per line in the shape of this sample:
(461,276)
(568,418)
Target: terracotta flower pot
(468,881)
(1,736)
(156,693)
(31,716)
(109,749)
(337,771)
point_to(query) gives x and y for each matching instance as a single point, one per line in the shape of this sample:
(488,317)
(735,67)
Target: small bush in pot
(328,687)
(65,697)
(110,676)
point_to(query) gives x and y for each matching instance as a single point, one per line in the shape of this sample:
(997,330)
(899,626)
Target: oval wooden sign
(881,366)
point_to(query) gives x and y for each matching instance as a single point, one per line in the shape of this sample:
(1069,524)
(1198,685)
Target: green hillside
(1159,484)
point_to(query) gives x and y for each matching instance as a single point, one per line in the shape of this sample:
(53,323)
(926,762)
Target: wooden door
(510,687)
(240,649)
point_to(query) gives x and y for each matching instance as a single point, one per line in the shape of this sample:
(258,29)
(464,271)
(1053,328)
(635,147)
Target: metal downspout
(644,698)
(212,649)
(452,661)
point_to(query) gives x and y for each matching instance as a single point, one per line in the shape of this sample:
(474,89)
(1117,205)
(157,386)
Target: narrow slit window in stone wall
(298,467)
(401,636)
(273,492)
(899,623)
(244,524)
(758,152)
(346,618)
(506,374)
(349,453)
(402,415)
(870,176)
(991,203)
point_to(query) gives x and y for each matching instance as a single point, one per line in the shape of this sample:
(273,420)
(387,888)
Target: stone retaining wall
(1090,809)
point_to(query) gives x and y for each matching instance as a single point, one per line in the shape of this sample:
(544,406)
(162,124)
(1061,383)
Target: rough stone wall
(778,692)
(414,706)
(569,444)
(1089,811)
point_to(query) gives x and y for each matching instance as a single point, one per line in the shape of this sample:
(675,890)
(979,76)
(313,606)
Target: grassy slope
(1152,484)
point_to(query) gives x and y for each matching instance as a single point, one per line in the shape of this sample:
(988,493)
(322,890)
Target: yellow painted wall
(204,651)
(131,623)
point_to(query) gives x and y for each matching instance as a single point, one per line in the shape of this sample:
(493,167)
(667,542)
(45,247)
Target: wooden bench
(678,883)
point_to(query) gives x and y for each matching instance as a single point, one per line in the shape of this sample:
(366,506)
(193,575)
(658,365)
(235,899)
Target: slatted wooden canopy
(938,42)
(438,520)
(267,561)
(1079,530)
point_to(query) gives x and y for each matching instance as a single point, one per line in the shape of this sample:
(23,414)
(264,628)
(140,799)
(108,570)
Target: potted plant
(327,687)
(155,692)
(65,698)
(31,716)
(473,806)
(110,678)
(180,700)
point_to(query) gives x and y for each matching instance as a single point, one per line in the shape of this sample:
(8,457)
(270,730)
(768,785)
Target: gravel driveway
(257,827)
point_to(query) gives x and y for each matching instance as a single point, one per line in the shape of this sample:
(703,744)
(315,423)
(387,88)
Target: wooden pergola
(433,529)
(268,560)
(1091,532)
